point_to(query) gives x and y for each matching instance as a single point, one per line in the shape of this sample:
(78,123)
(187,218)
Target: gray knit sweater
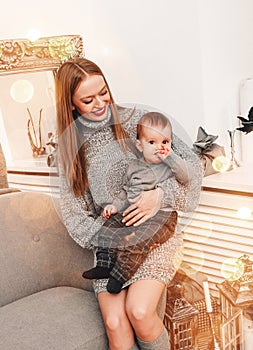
(141,177)
(107,165)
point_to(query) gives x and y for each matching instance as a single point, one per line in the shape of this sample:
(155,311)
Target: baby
(121,249)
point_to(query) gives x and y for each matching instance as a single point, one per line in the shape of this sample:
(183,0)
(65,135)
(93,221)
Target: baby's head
(154,133)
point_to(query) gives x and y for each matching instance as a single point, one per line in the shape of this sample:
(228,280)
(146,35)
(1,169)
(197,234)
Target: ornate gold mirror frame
(23,55)
(26,124)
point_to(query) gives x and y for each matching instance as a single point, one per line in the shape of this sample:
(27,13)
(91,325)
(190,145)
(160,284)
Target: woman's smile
(91,98)
(99,112)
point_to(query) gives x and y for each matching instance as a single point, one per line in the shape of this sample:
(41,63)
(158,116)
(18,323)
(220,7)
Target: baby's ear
(138,145)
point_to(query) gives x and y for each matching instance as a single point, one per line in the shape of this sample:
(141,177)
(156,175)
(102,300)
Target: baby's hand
(109,210)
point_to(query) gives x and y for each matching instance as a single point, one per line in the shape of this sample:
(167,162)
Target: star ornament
(204,141)
(247,124)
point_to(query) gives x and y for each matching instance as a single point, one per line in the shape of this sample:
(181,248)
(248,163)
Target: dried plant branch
(34,131)
(36,147)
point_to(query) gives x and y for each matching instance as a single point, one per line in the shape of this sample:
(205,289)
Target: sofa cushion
(37,252)
(54,319)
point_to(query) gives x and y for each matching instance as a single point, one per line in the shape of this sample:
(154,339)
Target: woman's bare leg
(118,327)
(141,307)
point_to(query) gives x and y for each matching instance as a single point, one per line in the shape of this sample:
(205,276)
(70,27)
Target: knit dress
(106,167)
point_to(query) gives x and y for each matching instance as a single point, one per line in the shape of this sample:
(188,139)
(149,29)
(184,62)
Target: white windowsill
(239,179)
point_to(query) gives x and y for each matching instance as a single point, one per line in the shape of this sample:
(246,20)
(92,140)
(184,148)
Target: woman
(95,143)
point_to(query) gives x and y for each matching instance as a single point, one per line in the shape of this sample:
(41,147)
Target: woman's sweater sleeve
(79,215)
(184,197)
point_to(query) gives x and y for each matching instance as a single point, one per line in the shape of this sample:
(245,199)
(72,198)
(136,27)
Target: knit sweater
(107,166)
(141,177)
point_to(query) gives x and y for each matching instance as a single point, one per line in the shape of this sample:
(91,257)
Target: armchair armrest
(8,190)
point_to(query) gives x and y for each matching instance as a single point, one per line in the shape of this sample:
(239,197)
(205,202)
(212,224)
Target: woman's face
(91,98)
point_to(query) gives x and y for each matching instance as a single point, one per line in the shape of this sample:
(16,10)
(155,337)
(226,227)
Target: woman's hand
(143,207)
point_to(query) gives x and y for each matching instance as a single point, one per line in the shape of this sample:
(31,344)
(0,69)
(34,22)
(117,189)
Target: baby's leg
(109,237)
(127,263)
(104,264)
(132,255)
(168,229)
(105,255)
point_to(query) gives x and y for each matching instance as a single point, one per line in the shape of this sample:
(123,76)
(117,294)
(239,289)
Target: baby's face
(155,144)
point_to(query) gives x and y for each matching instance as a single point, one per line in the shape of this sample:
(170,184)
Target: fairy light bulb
(232,269)
(22,91)
(221,164)
(33,34)
(244,213)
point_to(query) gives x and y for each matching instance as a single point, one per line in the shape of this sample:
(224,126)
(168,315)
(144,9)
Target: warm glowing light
(221,164)
(244,213)
(232,269)
(61,48)
(22,91)
(33,35)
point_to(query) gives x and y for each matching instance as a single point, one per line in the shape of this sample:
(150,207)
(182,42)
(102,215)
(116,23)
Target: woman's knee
(114,322)
(113,311)
(138,312)
(142,302)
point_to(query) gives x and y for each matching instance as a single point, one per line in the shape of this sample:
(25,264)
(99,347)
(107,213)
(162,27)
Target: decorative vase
(233,162)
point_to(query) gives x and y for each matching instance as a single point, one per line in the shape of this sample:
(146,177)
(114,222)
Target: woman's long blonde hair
(72,150)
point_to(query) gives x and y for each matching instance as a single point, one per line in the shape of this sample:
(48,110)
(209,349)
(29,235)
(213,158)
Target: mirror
(27,101)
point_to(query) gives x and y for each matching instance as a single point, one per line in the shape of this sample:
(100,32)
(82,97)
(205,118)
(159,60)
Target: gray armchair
(45,304)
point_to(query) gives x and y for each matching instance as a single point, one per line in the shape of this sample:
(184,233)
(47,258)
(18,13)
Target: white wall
(226,28)
(185,57)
